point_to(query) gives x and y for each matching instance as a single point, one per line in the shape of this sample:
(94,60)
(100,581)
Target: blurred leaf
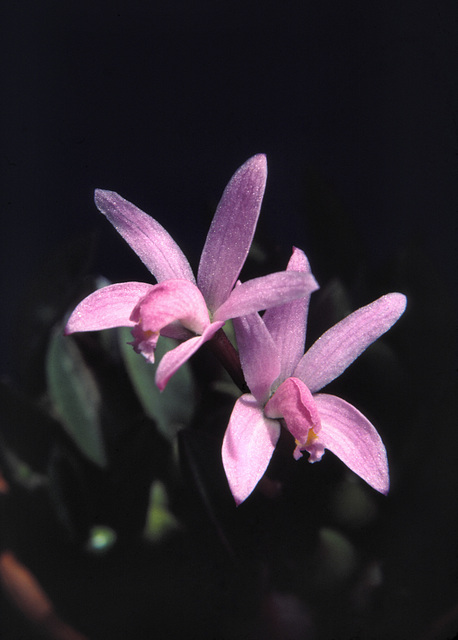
(160,521)
(75,395)
(101,539)
(227,387)
(173,408)
(353,505)
(257,252)
(19,471)
(336,558)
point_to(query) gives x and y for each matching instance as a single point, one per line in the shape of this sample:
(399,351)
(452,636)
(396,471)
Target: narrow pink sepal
(293,402)
(231,231)
(150,241)
(331,354)
(267,291)
(248,445)
(170,301)
(108,307)
(353,439)
(172,360)
(258,355)
(287,323)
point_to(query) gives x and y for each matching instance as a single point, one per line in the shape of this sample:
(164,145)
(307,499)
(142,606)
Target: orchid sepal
(248,445)
(231,231)
(107,308)
(340,345)
(151,242)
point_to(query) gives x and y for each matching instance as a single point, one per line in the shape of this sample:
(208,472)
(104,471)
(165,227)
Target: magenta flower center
(173,302)
(294,403)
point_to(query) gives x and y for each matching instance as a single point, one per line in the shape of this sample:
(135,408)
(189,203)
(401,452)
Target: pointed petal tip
(259,159)
(101,194)
(104,198)
(394,304)
(162,379)
(382,485)
(400,300)
(385,490)
(256,164)
(248,445)
(379,479)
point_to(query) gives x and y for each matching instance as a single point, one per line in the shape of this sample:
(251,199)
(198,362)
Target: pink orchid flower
(178,306)
(284,384)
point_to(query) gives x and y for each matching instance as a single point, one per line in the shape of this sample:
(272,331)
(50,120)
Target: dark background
(355,107)
(163,101)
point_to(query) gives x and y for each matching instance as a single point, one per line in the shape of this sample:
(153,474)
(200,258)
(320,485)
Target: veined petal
(248,445)
(170,301)
(293,402)
(231,231)
(287,323)
(150,241)
(353,439)
(258,355)
(331,354)
(267,291)
(108,307)
(172,360)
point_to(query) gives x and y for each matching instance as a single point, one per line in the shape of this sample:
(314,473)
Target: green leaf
(336,558)
(20,471)
(101,539)
(173,408)
(353,504)
(75,395)
(160,521)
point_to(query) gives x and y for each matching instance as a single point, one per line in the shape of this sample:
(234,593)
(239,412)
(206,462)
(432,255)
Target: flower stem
(227,354)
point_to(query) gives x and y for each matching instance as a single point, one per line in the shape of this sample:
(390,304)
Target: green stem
(227,354)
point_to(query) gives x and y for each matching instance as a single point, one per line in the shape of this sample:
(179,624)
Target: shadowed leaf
(173,408)
(75,395)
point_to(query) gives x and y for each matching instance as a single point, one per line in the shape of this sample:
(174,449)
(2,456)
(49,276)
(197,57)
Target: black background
(163,101)
(355,106)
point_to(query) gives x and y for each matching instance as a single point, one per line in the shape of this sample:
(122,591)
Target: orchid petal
(258,355)
(287,323)
(172,360)
(176,331)
(248,445)
(293,402)
(108,307)
(267,291)
(353,439)
(331,354)
(169,301)
(231,231)
(150,241)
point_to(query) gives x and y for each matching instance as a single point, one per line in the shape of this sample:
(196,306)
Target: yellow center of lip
(311,437)
(150,334)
